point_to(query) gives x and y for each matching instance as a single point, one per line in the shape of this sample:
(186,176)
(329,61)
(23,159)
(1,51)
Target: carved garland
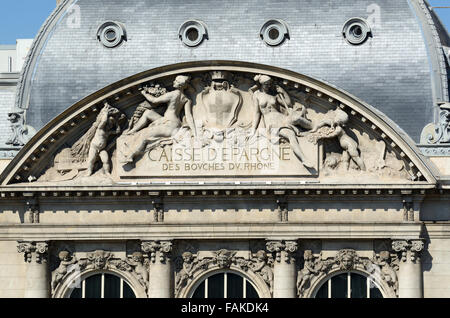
(382,268)
(71,269)
(259,264)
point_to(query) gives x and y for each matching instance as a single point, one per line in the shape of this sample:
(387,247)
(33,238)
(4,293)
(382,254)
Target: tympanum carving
(225,124)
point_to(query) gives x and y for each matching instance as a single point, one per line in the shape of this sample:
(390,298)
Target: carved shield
(221,107)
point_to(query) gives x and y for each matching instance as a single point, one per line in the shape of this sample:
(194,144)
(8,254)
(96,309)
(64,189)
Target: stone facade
(174,175)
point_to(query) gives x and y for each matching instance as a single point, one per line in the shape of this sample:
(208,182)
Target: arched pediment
(220,121)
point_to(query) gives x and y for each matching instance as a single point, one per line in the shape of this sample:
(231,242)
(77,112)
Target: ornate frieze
(382,268)
(34,251)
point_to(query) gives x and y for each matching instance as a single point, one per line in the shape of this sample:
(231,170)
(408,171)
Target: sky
(22,19)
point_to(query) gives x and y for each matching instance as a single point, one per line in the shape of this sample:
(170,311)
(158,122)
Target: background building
(229,149)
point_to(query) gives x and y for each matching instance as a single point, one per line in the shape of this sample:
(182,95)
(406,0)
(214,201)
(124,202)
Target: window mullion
(349,285)
(121,288)
(245,287)
(206,288)
(83,289)
(225,286)
(103,286)
(329,288)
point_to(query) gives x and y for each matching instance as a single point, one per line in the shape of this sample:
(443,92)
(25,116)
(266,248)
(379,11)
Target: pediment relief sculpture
(225,124)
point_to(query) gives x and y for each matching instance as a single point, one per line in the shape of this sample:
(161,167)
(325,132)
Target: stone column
(284,271)
(160,285)
(410,270)
(37,274)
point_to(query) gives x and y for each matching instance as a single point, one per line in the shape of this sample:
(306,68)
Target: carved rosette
(382,268)
(409,250)
(161,249)
(286,248)
(37,249)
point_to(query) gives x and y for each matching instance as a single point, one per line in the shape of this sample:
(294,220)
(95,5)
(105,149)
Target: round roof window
(274,32)
(192,33)
(356,31)
(111,34)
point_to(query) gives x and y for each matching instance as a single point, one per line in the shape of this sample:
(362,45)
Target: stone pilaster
(160,285)
(284,280)
(410,271)
(37,273)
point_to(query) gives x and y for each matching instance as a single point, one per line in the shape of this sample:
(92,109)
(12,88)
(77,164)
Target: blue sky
(21,19)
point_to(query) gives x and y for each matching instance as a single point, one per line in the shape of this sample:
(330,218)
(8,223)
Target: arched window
(103,286)
(349,285)
(225,285)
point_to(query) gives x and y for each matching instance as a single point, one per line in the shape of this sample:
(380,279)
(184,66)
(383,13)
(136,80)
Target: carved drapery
(382,268)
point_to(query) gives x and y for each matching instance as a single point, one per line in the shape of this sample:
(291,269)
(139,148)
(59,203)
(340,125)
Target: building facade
(229,149)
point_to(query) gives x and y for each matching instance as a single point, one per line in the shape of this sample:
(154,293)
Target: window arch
(102,285)
(349,285)
(225,284)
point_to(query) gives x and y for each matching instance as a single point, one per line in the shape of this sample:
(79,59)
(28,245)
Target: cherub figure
(187,271)
(388,272)
(66,259)
(92,146)
(336,130)
(140,268)
(307,273)
(262,267)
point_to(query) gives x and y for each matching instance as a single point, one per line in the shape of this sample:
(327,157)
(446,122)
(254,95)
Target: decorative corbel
(282,208)
(158,210)
(408,209)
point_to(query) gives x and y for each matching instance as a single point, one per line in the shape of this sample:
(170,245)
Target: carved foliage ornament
(285,248)
(136,265)
(37,249)
(160,249)
(382,267)
(260,264)
(409,250)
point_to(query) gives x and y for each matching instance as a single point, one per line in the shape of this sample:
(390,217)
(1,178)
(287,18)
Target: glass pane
(323,291)
(93,287)
(339,286)
(216,286)
(200,291)
(127,291)
(112,286)
(251,291)
(76,293)
(235,286)
(358,286)
(374,291)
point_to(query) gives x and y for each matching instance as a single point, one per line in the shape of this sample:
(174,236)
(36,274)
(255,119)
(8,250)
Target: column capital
(410,249)
(37,249)
(278,247)
(163,248)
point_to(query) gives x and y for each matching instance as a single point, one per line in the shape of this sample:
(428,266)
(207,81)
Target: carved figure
(278,114)
(92,146)
(224,258)
(140,268)
(186,272)
(387,271)
(20,132)
(98,259)
(334,128)
(152,128)
(261,267)
(66,259)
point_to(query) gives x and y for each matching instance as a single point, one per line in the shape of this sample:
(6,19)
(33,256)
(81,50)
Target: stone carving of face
(180,81)
(188,257)
(64,256)
(137,257)
(347,262)
(308,256)
(261,256)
